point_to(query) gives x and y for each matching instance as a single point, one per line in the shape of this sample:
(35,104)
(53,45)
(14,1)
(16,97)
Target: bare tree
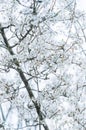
(39,46)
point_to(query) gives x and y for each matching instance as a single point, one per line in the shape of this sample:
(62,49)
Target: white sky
(81,4)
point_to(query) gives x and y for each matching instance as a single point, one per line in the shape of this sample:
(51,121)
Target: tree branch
(24,80)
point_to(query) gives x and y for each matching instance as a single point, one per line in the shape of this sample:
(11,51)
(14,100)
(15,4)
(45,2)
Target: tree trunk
(24,80)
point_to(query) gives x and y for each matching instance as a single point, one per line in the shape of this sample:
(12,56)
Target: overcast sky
(81,4)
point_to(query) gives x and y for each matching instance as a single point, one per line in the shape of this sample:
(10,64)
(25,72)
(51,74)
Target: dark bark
(24,80)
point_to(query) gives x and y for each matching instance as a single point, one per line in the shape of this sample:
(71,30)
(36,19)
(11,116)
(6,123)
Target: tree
(42,64)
